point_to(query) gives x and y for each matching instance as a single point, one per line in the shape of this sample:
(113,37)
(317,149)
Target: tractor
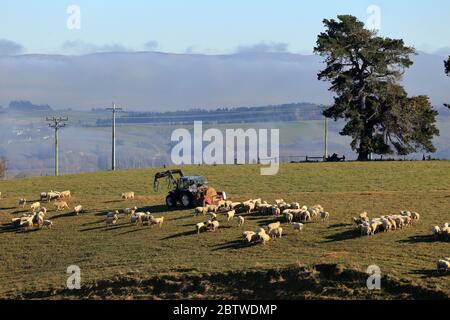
(188,191)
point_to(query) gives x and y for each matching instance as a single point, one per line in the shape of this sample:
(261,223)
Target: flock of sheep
(36,219)
(291,213)
(388,223)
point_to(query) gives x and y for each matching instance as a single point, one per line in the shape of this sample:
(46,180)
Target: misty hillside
(151,81)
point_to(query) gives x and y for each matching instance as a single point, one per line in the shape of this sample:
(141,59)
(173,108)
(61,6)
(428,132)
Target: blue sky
(207,26)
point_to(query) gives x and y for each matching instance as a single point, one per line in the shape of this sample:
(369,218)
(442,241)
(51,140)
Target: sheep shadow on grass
(343,236)
(181,234)
(236,244)
(8,208)
(63,215)
(420,239)
(433,273)
(8,228)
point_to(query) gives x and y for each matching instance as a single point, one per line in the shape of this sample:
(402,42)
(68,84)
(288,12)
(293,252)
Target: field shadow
(180,234)
(235,244)
(113,201)
(8,208)
(7,228)
(420,239)
(63,215)
(430,273)
(19,211)
(342,236)
(339,225)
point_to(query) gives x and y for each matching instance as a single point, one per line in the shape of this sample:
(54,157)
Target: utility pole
(57,123)
(114,109)
(326,140)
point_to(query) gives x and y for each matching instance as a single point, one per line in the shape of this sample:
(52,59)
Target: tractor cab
(191,183)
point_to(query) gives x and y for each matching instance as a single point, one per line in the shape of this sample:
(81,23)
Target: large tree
(364,70)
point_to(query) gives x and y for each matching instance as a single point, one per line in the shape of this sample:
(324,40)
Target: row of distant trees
(365,70)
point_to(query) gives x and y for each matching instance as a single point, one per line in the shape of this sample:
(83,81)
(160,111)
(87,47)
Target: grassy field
(37,261)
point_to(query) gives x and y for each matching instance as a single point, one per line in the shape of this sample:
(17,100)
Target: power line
(57,123)
(114,109)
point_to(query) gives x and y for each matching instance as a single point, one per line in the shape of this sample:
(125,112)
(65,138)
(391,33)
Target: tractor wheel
(171,202)
(186,200)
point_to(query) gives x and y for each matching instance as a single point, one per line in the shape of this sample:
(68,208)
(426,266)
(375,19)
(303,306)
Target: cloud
(10,48)
(443,52)
(81,47)
(151,45)
(263,47)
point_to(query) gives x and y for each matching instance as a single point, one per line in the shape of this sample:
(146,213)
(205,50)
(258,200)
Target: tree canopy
(364,71)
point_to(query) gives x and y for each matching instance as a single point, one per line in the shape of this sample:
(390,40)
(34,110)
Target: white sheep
(443,265)
(213,225)
(157,221)
(35,206)
(22,202)
(273,225)
(128,211)
(276,233)
(240,220)
(78,209)
(297,226)
(128,195)
(200,227)
(324,215)
(264,238)
(61,205)
(230,215)
(248,236)
(289,217)
(110,221)
(47,224)
(65,194)
(200,210)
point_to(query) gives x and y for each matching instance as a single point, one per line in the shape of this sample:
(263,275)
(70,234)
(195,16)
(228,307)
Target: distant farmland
(327,259)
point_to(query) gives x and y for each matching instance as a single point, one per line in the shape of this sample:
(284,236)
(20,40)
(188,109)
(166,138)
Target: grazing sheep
(65,194)
(297,226)
(200,210)
(365,229)
(241,221)
(213,215)
(136,218)
(43,196)
(128,211)
(200,227)
(264,238)
(324,215)
(47,224)
(128,195)
(53,195)
(110,221)
(443,265)
(213,225)
(273,225)
(249,236)
(61,205)
(212,208)
(230,215)
(78,209)
(276,233)
(157,221)
(22,202)
(35,206)
(415,216)
(289,217)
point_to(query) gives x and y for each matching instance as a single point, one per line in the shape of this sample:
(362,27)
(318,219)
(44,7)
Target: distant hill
(281,113)
(27,106)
